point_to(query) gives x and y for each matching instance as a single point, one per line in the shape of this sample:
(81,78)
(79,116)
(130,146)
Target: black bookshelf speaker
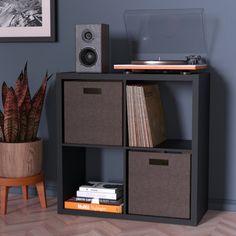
(92,48)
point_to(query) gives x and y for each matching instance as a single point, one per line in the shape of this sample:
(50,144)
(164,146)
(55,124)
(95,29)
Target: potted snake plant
(20,148)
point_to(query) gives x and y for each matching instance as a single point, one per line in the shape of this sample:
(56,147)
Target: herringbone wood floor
(26,218)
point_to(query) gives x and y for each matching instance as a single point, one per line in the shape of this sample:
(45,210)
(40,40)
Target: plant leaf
(27,100)
(18,83)
(4,92)
(24,113)
(24,103)
(25,68)
(23,123)
(1,126)
(21,89)
(36,110)
(11,117)
(1,118)
(1,135)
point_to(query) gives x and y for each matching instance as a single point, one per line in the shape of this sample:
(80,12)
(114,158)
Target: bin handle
(158,162)
(92,91)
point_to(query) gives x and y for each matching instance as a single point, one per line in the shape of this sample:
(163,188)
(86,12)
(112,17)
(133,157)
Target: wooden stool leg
(25,192)
(4,196)
(41,192)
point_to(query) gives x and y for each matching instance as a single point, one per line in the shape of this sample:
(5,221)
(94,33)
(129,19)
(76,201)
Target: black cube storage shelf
(192,151)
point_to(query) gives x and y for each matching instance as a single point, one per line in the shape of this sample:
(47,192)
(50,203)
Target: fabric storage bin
(93,112)
(159,184)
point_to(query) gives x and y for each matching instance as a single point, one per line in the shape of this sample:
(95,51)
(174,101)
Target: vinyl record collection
(98,196)
(146,126)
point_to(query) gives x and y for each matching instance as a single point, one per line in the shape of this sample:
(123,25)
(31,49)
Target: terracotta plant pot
(21,159)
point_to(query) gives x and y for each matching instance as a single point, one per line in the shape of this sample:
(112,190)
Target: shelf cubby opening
(84,164)
(177,102)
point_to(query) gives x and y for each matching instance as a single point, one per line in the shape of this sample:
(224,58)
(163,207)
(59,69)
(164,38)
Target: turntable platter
(159,62)
(141,67)
(192,62)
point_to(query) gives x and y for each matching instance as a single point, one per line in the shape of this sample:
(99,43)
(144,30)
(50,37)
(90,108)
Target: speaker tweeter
(87,35)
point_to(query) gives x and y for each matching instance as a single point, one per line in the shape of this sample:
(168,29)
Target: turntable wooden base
(159,67)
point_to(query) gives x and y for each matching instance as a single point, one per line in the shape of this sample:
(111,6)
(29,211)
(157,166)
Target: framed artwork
(27,20)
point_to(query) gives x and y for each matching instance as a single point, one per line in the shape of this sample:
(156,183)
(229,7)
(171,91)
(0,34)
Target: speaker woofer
(88,57)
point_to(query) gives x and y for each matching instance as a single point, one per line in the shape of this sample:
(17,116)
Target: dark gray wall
(60,56)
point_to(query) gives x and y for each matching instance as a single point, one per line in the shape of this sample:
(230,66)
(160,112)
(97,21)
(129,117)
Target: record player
(165,40)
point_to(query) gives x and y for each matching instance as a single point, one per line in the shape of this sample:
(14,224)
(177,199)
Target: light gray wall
(60,56)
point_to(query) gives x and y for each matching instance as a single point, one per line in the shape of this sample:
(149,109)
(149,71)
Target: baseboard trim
(51,190)
(222,204)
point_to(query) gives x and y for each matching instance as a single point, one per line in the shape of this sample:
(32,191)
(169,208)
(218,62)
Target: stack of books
(146,127)
(98,196)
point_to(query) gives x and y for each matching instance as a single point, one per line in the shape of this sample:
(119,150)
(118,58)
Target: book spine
(83,199)
(101,190)
(101,201)
(112,196)
(93,207)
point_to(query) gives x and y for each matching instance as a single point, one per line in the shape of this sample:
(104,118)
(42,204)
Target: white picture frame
(24,20)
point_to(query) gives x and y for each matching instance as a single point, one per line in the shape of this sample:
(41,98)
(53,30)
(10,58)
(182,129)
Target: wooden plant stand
(5,183)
